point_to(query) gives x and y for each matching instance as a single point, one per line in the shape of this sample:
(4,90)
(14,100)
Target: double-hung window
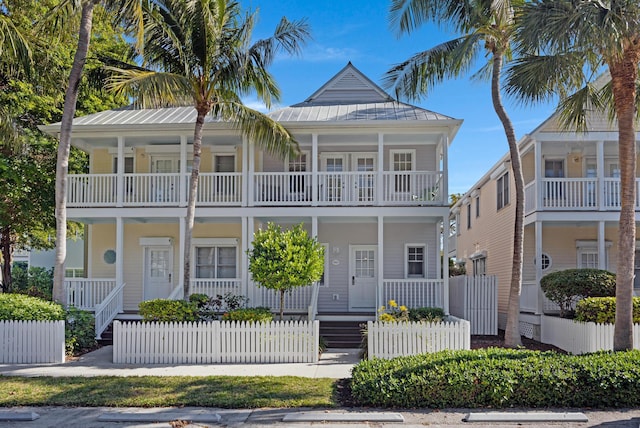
(415,256)
(502,191)
(216,261)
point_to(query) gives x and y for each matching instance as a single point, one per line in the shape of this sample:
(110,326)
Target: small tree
(283,260)
(566,287)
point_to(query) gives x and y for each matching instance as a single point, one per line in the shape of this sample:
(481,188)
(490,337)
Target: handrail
(313,304)
(107,310)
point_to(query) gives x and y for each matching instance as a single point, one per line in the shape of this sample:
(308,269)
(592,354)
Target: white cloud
(319,53)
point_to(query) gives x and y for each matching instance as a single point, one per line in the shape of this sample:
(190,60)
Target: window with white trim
(477,206)
(224,162)
(415,256)
(502,191)
(128,164)
(479,266)
(216,261)
(469,216)
(401,161)
(587,253)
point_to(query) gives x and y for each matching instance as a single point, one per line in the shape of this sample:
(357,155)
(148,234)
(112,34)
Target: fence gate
(475,298)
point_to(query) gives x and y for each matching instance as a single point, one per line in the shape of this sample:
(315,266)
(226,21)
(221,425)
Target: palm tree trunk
(193,192)
(7,259)
(512,329)
(623,79)
(70,98)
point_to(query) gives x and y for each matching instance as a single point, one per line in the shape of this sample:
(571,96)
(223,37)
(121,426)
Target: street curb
(18,416)
(526,417)
(343,417)
(149,415)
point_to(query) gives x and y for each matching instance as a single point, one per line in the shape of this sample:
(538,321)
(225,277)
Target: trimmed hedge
(499,378)
(603,310)
(79,331)
(26,308)
(165,310)
(249,314)
(426,314)
(566,287)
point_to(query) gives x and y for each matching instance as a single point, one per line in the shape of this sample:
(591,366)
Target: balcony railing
(269,189)
(564,194)
(414,293)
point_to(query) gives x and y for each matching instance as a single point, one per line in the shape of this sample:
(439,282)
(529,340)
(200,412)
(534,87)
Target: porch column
(445,262)
(251,175)
(245,174)
(244,258)
(538,264)
(380,175)
(120,173)
(314,170)
(602,255)
(444,182)
(601,174)
(314,226)
(182,231)
(252,293)
(380,288)
(119,251)
(539,175)
(184,177)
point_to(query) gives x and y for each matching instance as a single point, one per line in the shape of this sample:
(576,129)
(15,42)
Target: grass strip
(152,391)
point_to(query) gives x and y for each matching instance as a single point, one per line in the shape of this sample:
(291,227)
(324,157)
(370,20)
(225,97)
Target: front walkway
(335,364)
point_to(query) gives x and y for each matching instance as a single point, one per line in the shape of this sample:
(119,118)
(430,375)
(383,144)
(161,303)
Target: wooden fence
(394,339)
(31,342)
(475,298)
(580,337)
(215,342)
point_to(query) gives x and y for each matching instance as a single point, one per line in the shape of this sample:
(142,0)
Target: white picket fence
(31,342)
(215,342)
(475,298)
(580,337)
(395,339)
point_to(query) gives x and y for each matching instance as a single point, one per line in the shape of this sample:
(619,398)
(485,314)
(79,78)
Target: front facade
(370,183)
(572,208)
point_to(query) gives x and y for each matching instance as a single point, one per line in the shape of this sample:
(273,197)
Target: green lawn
(151,391)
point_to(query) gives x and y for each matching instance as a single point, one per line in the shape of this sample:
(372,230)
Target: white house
(370,183)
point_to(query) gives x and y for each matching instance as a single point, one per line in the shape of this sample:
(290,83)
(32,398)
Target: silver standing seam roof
(349,96)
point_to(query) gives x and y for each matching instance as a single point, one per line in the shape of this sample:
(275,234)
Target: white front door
(158,272)
(363,266)
(164,188)
(365,165)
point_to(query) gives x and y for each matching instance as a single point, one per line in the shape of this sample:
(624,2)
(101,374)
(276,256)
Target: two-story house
(572,208)
(370,183)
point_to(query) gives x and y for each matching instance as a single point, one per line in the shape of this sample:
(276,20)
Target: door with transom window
(363,266)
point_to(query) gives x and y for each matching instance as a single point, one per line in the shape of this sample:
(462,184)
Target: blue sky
(358,31)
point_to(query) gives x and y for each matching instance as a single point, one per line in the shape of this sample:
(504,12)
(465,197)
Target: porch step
(107,336)
(341,334)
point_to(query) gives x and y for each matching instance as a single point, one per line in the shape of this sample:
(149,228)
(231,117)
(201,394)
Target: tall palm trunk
(512,329)
(71,96)
(624,74)
(193,192)
(7,258)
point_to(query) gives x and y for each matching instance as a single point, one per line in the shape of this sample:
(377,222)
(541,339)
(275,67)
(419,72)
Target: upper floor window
(469,216)
(128,164)
(224,163)
(299,163)
(477,206)
(415,260)
(402,160)
(502,191)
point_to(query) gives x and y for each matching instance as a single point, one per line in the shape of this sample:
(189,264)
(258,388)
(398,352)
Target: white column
(184,177)
(444,183)
(244,258)
(250,174)
(314,170)
(379,297)
(539,175)
(380,176)
(182,231)
(314,226)
(245,172)
(602,255)
(600,173)
(538,240)
(252,292)
(119,251)
(120,173)
(445,262)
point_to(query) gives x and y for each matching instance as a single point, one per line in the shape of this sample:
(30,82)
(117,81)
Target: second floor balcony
(406,188)
(574,194)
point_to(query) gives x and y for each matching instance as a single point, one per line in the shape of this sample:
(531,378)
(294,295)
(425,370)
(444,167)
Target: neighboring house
(370,183)
(572,208)
(74,265)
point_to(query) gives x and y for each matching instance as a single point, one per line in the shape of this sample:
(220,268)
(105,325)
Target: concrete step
(341,334)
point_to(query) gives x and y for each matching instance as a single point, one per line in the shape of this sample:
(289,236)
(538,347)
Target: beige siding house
(370,183)
(572,207)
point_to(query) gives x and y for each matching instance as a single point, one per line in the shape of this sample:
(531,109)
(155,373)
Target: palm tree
(570,43)
(486,26)
(127,11)
(203,50)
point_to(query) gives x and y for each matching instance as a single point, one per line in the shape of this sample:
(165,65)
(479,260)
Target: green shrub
(566,287)
(27,308)
(36,282)
(165,310)
(603,310)
(79,331)
(249,314)
(499,378)
(426,314)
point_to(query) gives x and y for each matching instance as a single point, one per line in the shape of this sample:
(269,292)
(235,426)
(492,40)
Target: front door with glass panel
(332,186)
(364,182)
(158,272)
(363,266)
(554,168)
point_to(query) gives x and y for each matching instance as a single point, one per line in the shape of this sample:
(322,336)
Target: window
(479,266)
(216,262)
(128,164)
(457,224)
(545,262)
(469,216)
(503,191)
(587,252)
(415,259)
(401,161)
(225,163)
(477,206)
(297,180)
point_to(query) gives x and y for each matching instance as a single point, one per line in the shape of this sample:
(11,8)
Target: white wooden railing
(395,339)
(415,187)
(352,188)
(31,342)
(87,293)
(106,311)
(529,296)
(219,188)
(296,300)
(414,293)
(277,188)
(91,190)
(151,189)
(215,342)
(475,299)
(530,197)
(214,287)
(313,305)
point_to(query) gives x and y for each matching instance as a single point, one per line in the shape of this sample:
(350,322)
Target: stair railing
(106,311)
(313,303)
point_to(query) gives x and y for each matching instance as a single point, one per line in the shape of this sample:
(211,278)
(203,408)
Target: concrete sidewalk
(335,364)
